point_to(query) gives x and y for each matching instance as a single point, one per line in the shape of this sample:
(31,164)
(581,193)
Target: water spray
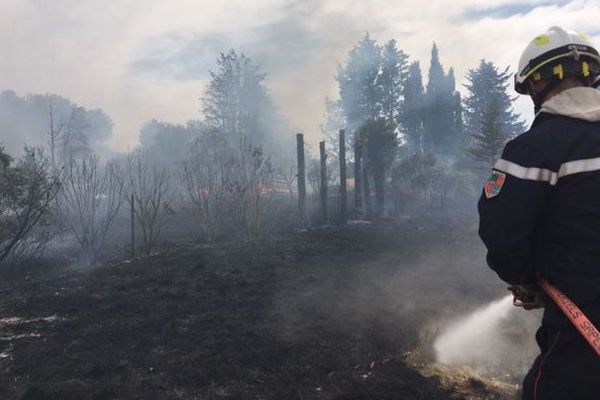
(471,340)
(467,342)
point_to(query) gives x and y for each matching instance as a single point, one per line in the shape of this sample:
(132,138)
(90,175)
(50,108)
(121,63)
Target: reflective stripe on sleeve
(574,167)
(529,173)
(546,175)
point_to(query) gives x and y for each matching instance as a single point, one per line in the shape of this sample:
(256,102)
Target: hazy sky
(144,59)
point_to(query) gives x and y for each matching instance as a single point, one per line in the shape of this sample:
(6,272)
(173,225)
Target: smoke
(298,44)
(29,119)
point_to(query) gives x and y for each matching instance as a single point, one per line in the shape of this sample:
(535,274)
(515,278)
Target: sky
(144,59)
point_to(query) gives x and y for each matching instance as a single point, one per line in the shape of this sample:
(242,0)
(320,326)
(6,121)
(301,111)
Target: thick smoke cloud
(280,45)
(144,60)
(27,121)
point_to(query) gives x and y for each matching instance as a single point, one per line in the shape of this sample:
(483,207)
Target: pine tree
(486,84)
(357,81)
(391,81)
(412,108)
(490,140)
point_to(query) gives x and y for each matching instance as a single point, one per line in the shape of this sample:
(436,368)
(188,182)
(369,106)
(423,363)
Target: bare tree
(89,201)
(54,133)
(26,192)
(148,184)
(287,176)
(226,184)
(255,173)
(207,178)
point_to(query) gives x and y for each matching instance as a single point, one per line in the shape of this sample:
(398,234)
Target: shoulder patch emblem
(494,184)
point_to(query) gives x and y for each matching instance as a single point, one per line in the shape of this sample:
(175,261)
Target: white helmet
(555,55)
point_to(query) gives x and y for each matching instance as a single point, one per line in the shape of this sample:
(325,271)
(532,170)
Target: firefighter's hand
(530,297)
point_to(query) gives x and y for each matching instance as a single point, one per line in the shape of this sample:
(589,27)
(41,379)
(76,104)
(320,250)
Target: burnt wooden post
(365,177)
(343,197)
(132,227)
(323,186)
(357,172)
(301,177)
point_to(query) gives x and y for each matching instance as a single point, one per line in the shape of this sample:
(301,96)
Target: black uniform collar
(541,117)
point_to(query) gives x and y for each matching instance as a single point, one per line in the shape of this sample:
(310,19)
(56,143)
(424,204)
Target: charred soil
(336,313)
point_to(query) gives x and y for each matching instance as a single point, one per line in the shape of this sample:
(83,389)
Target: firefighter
(540,208)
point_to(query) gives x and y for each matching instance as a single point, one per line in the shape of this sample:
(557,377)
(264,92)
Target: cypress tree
(437,79)
(412,108)
(440,134)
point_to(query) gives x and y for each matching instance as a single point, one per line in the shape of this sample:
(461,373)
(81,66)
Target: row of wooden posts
(359,172)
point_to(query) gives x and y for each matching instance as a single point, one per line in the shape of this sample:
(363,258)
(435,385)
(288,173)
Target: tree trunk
(357,172)
(379,182)
(365,179)
(323,186)
(132,203)
(301,178)
(343,196)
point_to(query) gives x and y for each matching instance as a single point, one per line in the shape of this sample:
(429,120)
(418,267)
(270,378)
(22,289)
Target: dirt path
(327,314)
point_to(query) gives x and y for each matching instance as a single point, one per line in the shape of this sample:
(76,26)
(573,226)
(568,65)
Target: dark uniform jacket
(540,210)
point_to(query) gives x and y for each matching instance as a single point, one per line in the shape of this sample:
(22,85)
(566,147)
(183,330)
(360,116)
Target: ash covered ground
(333,313)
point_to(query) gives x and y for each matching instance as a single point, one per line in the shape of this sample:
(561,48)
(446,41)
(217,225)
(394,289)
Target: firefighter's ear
(536,87)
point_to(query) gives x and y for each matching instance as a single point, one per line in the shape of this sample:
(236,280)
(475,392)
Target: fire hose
(528,300)
(575,315)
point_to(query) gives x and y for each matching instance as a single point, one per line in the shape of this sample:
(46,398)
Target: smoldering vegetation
(382,265)
(433,301)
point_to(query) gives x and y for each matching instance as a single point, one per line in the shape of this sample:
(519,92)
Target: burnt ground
(339,313)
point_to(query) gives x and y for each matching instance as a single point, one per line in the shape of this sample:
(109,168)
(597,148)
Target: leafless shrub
(253,180)
(89,202)
(287,176)
(147,184)
(207,180)
(226,185)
